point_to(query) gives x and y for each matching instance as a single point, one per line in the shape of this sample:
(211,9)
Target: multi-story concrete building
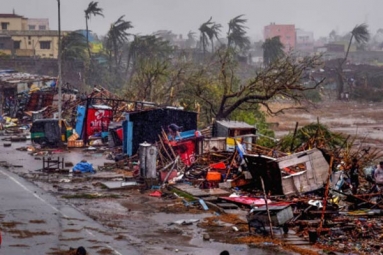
(304,41)
(286,34)
(21,36)
(38,24)
(13,22)
(35,43)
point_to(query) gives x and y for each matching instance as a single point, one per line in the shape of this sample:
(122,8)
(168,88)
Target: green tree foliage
(310,136)
(256,117)
(367,94)
(73,47)
(117,36)
(208,31)
(272,50)
(220,91)
(148,47)
(236,35)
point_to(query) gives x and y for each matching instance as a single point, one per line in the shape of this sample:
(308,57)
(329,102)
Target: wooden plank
(197,192)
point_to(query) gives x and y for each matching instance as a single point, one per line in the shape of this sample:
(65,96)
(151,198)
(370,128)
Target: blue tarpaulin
(83,167)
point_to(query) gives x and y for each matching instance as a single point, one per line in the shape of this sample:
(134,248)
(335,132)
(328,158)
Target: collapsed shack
(295,174)
(22,92)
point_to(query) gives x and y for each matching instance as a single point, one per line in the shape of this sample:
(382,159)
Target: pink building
(286,34)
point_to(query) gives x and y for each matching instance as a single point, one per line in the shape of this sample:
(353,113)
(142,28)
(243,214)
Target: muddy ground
(363,120)
(147,222)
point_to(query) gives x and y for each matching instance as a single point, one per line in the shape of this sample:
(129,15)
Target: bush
(367,94)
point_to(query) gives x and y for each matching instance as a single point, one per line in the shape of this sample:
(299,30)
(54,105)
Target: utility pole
(59,65)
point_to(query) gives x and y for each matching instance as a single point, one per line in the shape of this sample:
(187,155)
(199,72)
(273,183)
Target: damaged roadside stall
(298,173)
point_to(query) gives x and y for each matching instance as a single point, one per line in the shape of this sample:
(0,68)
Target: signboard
(98,119)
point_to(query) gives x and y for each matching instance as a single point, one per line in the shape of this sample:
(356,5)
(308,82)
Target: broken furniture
(50,165)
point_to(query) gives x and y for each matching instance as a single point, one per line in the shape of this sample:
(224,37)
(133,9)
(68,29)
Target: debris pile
(316,188)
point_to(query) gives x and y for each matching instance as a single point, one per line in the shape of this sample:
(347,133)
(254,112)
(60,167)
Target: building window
(4,25)
(43,27)
(29,43)
(16,44)
(45,45)
(2,46)
(32,27)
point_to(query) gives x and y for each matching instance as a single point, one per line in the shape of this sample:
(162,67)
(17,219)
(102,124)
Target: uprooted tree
(223,87)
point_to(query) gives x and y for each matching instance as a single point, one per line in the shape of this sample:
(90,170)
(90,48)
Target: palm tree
(361,35)
(272,50)
(237,34)
(94,10)
(204,31)
(117,36)
(209,30)
(215,29)
(73,46)
(148,47)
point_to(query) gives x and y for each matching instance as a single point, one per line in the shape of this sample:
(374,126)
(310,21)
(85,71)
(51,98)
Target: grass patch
(183,194)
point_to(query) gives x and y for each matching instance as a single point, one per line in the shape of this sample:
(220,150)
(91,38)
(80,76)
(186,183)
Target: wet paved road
(34,222)
(46,225)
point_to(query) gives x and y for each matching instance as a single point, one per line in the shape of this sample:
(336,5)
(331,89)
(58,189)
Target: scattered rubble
(257,196)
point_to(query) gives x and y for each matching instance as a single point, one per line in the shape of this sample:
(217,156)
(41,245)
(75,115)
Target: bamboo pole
(171,149)
(163,146)
(326,195)
(267,207)
(231,164)
(292,141)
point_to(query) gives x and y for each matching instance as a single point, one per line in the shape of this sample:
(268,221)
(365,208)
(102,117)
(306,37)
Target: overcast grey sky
(181,16)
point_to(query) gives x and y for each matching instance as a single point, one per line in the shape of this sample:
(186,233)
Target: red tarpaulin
(247,200)
(98,118)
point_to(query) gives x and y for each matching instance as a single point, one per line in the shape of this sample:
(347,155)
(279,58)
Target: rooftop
(32,32)
(11,77)
(10,15)
(234,124)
